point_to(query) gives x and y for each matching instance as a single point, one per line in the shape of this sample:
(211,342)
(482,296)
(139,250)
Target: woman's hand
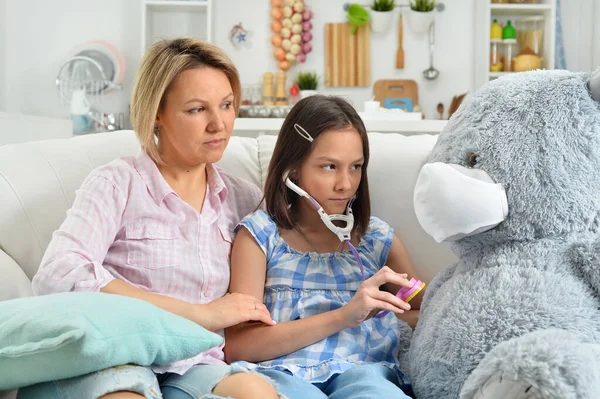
(369,299)
(230,310)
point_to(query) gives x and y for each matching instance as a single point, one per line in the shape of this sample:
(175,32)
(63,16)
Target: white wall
(3,19)
(37,43)
(20,128)
(581,33)
(596,37)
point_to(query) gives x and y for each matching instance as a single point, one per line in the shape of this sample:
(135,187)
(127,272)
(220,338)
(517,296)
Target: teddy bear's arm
(435,284)
(584,261)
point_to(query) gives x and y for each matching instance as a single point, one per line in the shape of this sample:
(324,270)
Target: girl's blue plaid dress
(302,284)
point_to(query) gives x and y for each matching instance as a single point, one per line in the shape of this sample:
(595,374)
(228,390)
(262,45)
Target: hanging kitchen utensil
(431,73)
(400,51)
(440,110)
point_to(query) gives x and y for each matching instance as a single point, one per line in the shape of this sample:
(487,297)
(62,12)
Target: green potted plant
(381,15)
(420,15)
(307,83)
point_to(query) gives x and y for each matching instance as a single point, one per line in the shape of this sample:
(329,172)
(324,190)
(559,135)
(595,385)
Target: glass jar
(530,34)
(495,55)
(509,53)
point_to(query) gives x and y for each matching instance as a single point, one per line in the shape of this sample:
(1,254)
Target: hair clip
(302,132)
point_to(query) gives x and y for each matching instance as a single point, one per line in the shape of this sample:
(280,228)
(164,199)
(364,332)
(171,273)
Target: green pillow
(64,335)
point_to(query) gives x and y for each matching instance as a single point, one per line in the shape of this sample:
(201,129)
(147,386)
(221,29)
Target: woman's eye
(472,160)
(328,167)
(226,105)
(196,110)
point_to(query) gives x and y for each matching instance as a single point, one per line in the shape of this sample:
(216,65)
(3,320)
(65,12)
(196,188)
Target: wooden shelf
(272,125)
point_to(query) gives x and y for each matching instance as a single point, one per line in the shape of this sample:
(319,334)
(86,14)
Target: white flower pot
(307,93)
(419,21)
(380,20)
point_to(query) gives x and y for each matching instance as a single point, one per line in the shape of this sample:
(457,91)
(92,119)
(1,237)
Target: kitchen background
(37,36)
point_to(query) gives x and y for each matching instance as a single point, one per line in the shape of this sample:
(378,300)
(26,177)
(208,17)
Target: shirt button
(205,294)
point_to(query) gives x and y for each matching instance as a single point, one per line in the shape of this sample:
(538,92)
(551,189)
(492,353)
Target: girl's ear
(293,175)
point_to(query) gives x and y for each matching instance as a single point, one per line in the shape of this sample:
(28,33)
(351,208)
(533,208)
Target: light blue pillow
(64,335)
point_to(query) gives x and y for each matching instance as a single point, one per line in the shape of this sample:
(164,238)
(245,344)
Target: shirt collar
(158,186)
(217,185)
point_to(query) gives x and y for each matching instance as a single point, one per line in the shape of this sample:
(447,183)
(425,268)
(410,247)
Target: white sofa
(38,182)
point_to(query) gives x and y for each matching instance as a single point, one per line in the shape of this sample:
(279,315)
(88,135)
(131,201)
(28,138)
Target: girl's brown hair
(316,114)
(161,65)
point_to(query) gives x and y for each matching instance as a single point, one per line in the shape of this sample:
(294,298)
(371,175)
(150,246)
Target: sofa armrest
(14,283)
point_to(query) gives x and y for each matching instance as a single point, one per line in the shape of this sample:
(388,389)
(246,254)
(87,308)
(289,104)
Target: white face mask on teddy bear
(452,201)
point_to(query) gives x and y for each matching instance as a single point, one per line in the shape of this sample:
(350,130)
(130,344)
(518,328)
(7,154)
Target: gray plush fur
(523,301)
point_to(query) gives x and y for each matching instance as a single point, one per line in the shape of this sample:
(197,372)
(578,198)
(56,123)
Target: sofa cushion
(37,186)
(65,335)
(241,159)
(393,169)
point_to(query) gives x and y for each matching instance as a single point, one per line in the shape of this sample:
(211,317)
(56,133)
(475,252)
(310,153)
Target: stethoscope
(344,234)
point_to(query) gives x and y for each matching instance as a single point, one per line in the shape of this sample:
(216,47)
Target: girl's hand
(230,310)
(369,299)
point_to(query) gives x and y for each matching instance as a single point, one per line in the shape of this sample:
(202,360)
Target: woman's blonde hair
(160,66)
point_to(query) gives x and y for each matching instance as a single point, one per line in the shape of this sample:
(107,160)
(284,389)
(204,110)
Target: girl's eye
(196,110)
(357,167)
(328,167)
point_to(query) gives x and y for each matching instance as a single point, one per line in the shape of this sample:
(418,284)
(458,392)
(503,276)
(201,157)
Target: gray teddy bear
(514,183)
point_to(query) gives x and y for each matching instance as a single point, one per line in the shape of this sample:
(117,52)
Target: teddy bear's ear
(594,85)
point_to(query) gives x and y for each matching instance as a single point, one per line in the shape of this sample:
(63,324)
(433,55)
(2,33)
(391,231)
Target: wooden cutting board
(347,56)
(396,89)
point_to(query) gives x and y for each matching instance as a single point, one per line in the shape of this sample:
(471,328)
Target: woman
(158,226)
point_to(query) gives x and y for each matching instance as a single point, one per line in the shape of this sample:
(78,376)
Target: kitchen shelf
(272,125)
(494,75)
(184,6)
(519,9)
(486,12)
(170,19)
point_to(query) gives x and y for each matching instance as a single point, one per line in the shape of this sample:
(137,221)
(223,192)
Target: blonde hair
(160,66)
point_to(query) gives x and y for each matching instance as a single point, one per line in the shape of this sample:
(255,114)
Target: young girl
(327,342)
